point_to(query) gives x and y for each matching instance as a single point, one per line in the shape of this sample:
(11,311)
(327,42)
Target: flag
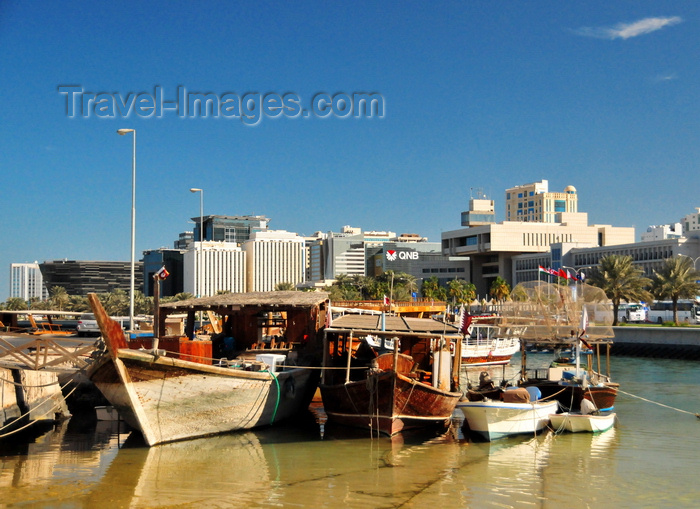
(584,321)
(581,276)
(563,273)
(583,327)
(462,316)
(386,300)
(551,272)
(162,273)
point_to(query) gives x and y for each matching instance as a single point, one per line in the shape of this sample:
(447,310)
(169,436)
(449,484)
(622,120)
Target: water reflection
(78,449)
(648,460)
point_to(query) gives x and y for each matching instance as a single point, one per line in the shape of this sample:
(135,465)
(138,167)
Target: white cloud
(629,30)
(666,77)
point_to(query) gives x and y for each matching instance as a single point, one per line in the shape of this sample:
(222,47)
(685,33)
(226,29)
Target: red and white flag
(162,273)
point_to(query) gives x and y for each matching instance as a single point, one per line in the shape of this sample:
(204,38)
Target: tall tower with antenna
(481,209)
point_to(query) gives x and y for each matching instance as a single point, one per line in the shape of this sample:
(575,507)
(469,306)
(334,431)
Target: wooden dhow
(390,373)
(172,394)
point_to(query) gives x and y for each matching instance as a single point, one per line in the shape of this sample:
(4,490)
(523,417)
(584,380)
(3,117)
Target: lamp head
(122,132)
(195,190)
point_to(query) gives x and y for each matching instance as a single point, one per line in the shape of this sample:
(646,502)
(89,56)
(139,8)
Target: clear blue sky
(478,94)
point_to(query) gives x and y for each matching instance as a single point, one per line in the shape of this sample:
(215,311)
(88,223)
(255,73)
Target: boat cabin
(238,324)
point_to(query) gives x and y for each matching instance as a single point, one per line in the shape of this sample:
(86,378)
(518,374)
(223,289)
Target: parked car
(87,325)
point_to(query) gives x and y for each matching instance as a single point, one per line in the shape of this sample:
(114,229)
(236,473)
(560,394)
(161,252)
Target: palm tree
(363,284)
(676,280)
(500,290)
(461,292)
(143,305)
(431,289)
(116,302)
(78,303)
(621,280)
(15,304)
(59,298)
(285,287)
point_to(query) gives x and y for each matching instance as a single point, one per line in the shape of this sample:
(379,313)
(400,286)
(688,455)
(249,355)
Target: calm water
(651,459)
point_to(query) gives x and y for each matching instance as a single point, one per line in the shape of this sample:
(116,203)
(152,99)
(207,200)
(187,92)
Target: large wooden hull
(495,419)
(169,399)
(388,402)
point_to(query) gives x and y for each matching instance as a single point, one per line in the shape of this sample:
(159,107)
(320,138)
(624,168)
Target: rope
(552,395)
(413,386)
(277,404)
(660,404)
(25,385)
(54,407)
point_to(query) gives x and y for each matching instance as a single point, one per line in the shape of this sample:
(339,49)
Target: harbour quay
(659,342)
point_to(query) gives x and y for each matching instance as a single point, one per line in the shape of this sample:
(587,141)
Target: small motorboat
(514,415)
(589,419)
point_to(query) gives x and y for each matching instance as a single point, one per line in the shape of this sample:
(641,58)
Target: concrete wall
(666,342)
(30,396)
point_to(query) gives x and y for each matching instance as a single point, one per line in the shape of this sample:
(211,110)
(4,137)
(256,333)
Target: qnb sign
(393,255)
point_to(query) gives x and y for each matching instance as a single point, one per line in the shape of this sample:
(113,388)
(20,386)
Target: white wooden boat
(171,399)
(487,344)
(498,419)
(577,422)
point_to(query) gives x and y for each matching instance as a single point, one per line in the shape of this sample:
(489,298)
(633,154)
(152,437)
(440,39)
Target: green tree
(461,292)
(143,305)
(78,303)
(59,298)
(285,287)
(621,280)
(15,304)
(116,302)
(37,303)
(363,284)
(500,290)
(431,289)
(676,280)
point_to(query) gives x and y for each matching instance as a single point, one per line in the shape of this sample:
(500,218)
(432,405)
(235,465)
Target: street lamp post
(694,260)
(198,265)
(122,132)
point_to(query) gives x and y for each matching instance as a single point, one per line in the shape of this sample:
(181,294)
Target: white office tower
(26,282)
(212,267)
(273,257)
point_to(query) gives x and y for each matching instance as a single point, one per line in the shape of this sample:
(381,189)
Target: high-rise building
(83,277)
(662,232)
(26,282)
(534,202)
(691,224)
(172,260)
(274,257)
(481,210)
(537,219)
(235,229)
(212,267)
